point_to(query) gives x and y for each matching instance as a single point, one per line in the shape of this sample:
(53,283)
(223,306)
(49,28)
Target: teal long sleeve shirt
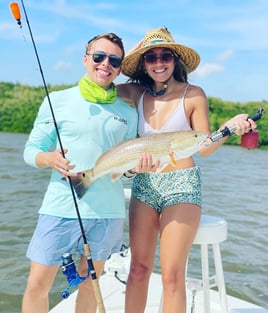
(87,130)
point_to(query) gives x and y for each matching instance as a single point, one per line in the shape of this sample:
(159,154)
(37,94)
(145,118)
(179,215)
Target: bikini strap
(185,90)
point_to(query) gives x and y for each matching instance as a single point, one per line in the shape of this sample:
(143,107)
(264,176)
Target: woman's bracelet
(130,174)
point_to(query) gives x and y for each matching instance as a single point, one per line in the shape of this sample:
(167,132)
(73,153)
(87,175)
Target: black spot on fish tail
(79,186)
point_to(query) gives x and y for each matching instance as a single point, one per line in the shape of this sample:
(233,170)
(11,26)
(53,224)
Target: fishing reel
(69,270)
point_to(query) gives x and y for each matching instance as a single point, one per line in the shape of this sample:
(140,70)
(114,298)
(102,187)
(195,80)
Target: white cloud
(81,11)
(225,55)
(9,30)
(208,69)
(62,65)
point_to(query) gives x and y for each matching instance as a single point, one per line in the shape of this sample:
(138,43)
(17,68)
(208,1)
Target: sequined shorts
(164,189)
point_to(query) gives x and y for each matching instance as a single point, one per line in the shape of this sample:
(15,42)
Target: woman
(168,202)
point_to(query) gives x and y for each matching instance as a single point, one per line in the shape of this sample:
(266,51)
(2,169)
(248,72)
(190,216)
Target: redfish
(167,147)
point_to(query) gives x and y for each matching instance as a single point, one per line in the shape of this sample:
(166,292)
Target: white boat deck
(113,294)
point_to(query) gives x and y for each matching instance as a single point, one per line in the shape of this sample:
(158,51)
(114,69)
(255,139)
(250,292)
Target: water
(235,182)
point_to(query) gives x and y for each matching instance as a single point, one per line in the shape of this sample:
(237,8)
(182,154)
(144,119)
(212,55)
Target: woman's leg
(143,230)
(40,280)
(178,226)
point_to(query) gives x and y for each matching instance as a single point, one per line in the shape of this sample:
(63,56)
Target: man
(91,119)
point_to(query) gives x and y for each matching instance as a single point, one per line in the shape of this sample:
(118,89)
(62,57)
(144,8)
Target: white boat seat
(212,231)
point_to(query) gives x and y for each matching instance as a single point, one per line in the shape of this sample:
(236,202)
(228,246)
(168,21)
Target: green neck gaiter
(92,92)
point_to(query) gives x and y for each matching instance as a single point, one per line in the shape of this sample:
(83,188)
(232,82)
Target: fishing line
(16,14)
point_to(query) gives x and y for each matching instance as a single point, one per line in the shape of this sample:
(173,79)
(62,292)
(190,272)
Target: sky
(231,37)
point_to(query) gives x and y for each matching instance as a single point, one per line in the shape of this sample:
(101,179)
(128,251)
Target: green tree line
(19,105)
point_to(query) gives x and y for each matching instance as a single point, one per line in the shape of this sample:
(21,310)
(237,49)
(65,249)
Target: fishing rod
(68,266)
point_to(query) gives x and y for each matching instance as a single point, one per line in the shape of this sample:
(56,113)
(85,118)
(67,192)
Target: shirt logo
(120,119)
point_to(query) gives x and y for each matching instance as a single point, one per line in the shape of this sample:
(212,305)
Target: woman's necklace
(155,93)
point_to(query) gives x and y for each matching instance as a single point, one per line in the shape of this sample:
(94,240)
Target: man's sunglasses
(100,56)
(165,57)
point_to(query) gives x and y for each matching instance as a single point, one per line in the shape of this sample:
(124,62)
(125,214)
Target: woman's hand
(243,124)
(146,165)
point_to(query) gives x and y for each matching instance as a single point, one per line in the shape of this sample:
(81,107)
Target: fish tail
(81,182)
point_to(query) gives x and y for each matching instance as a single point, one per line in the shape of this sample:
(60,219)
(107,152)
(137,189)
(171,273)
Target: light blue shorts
(160,190)
(54,236)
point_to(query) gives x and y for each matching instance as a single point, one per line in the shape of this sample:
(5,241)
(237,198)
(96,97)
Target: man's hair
(110,36)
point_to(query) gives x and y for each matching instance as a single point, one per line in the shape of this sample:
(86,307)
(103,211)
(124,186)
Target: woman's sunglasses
(100,56)
(165,57)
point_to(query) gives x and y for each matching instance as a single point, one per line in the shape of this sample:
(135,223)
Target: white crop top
(176,122)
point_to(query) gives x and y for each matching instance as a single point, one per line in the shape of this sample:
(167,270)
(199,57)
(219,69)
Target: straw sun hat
(158,38)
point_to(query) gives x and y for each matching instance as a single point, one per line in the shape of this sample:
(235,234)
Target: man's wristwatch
(130,174)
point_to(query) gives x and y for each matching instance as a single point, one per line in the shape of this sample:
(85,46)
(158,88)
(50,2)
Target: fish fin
(116,176)
(172,159)
(81,183)
(161,167)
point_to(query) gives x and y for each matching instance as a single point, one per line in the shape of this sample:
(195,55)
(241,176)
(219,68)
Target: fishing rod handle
(257,116)
(94,280)
(99,300)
